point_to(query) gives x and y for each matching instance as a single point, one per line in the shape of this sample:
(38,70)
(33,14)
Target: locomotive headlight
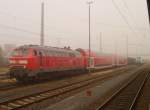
(12,61)
(23,62)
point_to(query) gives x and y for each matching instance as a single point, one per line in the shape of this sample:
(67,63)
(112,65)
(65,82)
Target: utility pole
(116,51)
(42,24)
(89,3)
(100,38)
(137,55)
(148,6)
(127,43)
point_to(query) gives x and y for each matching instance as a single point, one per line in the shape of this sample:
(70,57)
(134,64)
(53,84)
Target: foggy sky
(66,24)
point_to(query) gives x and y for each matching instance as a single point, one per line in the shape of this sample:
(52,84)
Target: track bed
(43,91)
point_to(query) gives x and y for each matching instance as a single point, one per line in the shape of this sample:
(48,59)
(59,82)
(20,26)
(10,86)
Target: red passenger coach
(98,60)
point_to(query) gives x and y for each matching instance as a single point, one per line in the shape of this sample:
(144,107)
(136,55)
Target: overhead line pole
(100,38)
(116,51)
(127,43)
(89,3)
(89,33)
(148,7)
(42,24)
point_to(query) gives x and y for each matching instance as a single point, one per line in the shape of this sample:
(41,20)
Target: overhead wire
(129,11)
(25,19)
(132,17)
(23,30)
(119,26)
(126,6)
(123,17)
(16,17)
(18,29)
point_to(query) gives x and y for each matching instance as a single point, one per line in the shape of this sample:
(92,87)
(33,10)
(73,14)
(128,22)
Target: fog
(66,24)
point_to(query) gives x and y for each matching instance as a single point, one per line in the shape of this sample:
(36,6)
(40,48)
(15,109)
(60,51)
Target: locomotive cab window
(20,52)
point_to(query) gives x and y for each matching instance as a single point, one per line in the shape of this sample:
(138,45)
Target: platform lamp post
(89,4)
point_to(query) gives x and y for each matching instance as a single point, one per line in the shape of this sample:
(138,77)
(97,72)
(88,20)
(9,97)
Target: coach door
(91,62)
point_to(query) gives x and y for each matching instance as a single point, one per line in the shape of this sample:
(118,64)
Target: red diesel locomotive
(30,61)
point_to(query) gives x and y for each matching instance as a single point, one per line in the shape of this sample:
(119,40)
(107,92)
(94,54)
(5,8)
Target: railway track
(6,83)
(4,76)
(125,97)
(23,102)
(143,101)
(9,85)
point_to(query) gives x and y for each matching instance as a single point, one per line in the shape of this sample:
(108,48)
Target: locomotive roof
(48,48)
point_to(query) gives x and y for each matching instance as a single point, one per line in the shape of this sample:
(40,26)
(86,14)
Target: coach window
(51,53)
(67,54)
(54,53)
(47,53)
(57,53)
(35,53)
(40,53)
(70,54)
(63,54)
(60,54)
(43,52)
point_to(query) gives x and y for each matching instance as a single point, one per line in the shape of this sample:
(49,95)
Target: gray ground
(81,101)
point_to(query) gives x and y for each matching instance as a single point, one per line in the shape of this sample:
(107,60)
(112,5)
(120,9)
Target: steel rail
(9,86)
(4,76)
(6,103)
(138,93)
(122,88)
(14,85)
(22,102)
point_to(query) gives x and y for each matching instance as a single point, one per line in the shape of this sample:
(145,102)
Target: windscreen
(20,52)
